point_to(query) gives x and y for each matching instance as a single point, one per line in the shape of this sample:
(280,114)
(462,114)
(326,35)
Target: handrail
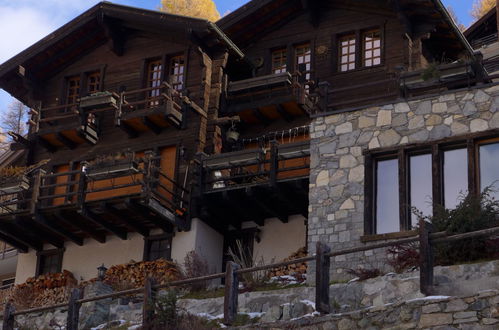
(437,237)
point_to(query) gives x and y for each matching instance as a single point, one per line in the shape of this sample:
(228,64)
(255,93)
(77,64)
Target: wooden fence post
(322,265)
(148,307)
(8,316)
(74,309)
(274,163)
(231,292)
(425,258)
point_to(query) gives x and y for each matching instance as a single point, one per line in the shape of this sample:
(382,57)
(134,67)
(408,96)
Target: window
(158,247)
(279,58)
(177,68)
(154,71)
(49,262)
(73,89)
(93,82)
(371,42)
(455,176)
(489,173)
(303,63)
(420,181)
(347,53)
(409,177)
(387,194)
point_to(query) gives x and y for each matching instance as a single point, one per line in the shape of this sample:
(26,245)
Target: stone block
(434,319)
(343,128)
(464,315)
(432,308)
(456,305)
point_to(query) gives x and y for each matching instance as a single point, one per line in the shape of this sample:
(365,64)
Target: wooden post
(8,316)
(425,258)
(148,307)
(231,293)
(324,95)
(322,265)
(74,309)
(82,188)
(274,163)
(37,182)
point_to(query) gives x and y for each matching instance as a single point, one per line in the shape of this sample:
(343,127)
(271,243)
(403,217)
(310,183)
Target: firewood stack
(134,274)
(44,290)
(292,269)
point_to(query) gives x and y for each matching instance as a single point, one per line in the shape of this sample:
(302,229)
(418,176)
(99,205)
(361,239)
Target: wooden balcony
(267,98)
(93,202)
(154,108)
(252,185)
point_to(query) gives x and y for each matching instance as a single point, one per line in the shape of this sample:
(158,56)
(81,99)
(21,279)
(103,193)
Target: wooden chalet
(144,121)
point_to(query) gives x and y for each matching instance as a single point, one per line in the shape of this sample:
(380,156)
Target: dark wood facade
(214,132)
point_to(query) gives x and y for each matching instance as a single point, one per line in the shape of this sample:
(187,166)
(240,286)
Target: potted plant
(13,179)
(109,166)
(98,100)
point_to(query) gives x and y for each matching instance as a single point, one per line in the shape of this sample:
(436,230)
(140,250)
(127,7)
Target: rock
(322,178)
(456,305)
(356,174)
(347,205)
(348,161)
(389,138)
(478,125)
(458,128)
(439,107)
(416,122)
(299,309)
(273,314)
(343,128)
(286,312)
(494,122)
(479,305)
(365,122)
(346,324)
(464,315)
(423,108)
(440,132)
(431,320)
(402,107)
(374,143)
(434,120)
(384,118)
(469,108)
(481,97)
(432,308)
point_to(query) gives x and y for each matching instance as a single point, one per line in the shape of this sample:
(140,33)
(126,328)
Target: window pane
(387,197)
(421,186)
(489,171)
(455,176)
(347,50)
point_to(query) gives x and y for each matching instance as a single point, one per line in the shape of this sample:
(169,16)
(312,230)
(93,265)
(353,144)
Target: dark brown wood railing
(322,258)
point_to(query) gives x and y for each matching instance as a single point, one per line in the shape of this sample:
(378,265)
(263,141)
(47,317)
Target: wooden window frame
(169,75)
(341,39)
(83,82)
(364,48)
(471,142)
(46,253)
(149,239)
(283,60)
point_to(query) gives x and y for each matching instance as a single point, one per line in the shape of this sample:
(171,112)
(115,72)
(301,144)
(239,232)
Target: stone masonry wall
(336,197)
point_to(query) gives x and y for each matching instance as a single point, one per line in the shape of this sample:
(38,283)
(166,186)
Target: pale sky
(23,22)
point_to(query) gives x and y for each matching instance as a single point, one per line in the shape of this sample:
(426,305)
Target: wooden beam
(58,229)
(286,115)
(44,143)
(128,130)
(23,248)
(116,34)
(254,198)
(260,116)
(88,229)
(126,219)
(91,216)
(154,217)
(151,125)
(64,140)
(40,231)
(21,238)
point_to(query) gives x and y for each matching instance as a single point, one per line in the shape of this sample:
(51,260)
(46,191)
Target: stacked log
(294,269)
(134,274)
(44,290)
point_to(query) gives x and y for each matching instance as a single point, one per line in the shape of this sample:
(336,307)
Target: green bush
(473,213)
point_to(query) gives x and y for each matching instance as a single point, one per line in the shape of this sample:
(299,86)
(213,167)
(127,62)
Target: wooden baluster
(425,258)
(274,163)
(231,293)
(148,306)
(8,316)
(322,265)
(74,309)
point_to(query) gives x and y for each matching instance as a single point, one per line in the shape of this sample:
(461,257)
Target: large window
(279,59)
(418,178)
(72,89)
(93,82)
(177,68)
(158,247)
(154,71)
(347,53)
(371,42)
(49,262)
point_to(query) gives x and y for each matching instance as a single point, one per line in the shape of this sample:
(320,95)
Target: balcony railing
(255,166)
(283,91)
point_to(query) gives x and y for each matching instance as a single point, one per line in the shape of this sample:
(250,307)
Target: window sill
(375,68)
(388,236)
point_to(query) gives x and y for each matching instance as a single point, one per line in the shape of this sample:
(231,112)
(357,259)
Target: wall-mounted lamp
(101,272)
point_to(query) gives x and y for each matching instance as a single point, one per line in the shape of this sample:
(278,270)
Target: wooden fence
(322,258)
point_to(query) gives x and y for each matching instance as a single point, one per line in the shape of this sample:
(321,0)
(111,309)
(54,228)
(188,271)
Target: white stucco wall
(278,240)
(203,239)
(83,261)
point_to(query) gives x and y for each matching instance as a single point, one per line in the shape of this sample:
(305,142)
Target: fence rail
(322,257)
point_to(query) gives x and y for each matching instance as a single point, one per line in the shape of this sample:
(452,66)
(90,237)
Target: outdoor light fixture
(101,272)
